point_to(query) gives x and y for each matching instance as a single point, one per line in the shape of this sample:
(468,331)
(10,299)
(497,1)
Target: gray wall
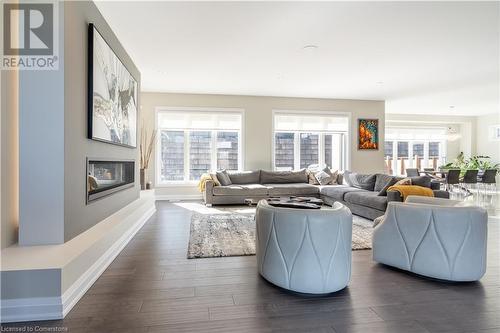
(78,216)
(41,153)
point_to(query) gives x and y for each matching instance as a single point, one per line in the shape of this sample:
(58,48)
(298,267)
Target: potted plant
(146,149)
(477,162)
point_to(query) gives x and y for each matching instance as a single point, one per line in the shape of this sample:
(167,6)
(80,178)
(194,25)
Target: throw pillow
(215,179)
(357,180)
(223,178)
(335,177)
(383,191)
(326,177)
(311,178)
(382,180)
(404,181)
(323,177)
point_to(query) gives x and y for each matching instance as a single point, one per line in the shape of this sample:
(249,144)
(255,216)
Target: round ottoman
(304,250)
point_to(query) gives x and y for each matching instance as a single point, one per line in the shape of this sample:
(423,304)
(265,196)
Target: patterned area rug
(232,233)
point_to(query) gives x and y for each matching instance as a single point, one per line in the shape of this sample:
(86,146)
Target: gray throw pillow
(223,178)
(383,191)
(382,181)
(357,180)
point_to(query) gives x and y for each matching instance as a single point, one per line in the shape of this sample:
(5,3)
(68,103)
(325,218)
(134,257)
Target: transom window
(301,140)
(192,142)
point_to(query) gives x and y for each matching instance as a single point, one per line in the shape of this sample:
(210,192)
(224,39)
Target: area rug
(233,234)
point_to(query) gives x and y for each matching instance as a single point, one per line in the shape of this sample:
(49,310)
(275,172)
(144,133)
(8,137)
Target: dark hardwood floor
(152,287)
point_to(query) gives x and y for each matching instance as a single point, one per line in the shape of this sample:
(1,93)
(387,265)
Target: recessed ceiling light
(310,47)
(159,71)
(452,106)
(380,82)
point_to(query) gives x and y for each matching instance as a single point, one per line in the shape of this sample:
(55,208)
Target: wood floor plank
(152,287)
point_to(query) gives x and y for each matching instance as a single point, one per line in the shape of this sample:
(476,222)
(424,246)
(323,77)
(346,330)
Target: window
(388,148)
(302,139)
(172,155)
(416,147)
(192,142)
(284,151)
(309,145)
(403,149)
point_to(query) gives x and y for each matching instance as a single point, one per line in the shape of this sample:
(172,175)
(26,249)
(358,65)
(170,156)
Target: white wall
(486,146)
(258,126)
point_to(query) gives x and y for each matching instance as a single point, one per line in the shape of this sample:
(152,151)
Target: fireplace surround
(108,176)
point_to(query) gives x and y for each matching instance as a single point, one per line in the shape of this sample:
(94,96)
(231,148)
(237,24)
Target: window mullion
(426,154)
(240,153)
(410,154)
(214,150)
(321,149)
(187,152)
(296,152)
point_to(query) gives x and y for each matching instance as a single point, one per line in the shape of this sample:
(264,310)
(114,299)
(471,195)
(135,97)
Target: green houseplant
(476,162)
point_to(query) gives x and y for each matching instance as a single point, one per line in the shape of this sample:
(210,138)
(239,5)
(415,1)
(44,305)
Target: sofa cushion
(382,180)
(283,177)
(292,189)
(358,180)
(337,192)
(245,177)
(367,199)
(241,190)
(223,178)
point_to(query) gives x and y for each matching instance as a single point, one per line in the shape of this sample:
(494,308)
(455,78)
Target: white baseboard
(80,287)
(173,197)
(47,308)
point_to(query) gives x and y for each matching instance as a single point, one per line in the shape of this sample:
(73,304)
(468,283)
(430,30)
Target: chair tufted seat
(433,237)
(304,250)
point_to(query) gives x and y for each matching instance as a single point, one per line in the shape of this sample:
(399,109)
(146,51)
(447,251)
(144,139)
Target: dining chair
(469,180)
(412,172)
(489,179)
(452,179)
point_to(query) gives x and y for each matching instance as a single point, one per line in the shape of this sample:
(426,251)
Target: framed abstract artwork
(112,95)
(368,134)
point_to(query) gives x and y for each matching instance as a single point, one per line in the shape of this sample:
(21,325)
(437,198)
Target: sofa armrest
(441,194)
(394,196)
(208,193)
(435,185)
(436,201)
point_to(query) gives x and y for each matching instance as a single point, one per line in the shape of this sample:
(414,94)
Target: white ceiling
(428,55)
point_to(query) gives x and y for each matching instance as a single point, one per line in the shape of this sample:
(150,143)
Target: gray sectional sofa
(361,193)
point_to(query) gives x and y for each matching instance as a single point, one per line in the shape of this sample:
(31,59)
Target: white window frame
(411,161)
(186,181)
(346,141)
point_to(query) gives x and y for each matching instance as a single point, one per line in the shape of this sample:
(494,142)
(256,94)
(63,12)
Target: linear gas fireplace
(105,177)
